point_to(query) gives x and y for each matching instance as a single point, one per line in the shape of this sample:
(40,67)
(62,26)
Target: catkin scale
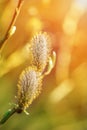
(29,87)
(40,50)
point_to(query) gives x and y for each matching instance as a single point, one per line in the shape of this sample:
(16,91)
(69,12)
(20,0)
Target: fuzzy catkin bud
(40,50)
(29,87)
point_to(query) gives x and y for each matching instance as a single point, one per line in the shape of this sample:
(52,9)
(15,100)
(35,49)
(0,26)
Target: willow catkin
(40,50)
(29,87)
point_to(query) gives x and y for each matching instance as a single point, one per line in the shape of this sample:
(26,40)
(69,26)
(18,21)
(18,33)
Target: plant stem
(7,115)
(16,13)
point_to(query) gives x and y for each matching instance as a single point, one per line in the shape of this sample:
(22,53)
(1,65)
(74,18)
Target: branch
(10,29)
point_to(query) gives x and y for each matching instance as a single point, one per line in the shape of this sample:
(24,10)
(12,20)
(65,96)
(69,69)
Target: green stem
(7,115)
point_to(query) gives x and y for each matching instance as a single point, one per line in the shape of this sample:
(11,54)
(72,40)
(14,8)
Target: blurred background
(62,105)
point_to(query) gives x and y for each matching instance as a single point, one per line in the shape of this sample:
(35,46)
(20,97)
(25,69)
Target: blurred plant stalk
(15,59)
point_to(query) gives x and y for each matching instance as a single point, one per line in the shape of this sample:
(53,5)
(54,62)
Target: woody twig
(11,29)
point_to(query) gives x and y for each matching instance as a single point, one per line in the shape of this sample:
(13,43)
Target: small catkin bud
(29,87)
(12,30)
(40,50)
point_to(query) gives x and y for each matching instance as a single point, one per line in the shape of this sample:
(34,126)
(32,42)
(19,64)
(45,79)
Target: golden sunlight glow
(34,25)
(63,63)
(80,75)
(81,4)
(43,37)
(69,26)
(46,1)
(61,91)
(71,20)
(33,11)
